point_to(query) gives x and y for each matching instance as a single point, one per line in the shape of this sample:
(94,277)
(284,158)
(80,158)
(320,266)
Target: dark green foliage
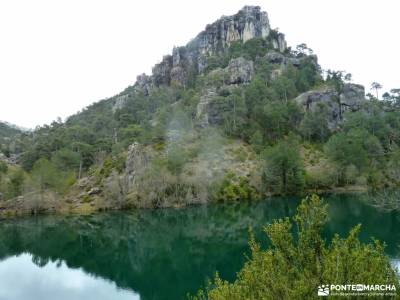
(355,148)
(15,184)
(86,153)
(335,79)
(279,119)
(284,87)
(261,113)
(3,167)
(256,141)
(256,94)
(46,176)
(146,118)
(294,266)
(233,188)
(308,74)
(234,112)
(254,48)
(7,131)
(130,134)
(66,159)
(111,163)
(8,134)
(385,126)
(251,49)
(314,126)
(284,171)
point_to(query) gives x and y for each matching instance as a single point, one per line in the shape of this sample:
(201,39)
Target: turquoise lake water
(155,254)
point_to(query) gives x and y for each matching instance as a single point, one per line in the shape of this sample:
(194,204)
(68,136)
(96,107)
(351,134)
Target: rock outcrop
(350,98)
(120,102)
(250,22)
(279,42)
(314,100)
(118,186)
(11,160)
(210,109)
(162,71)
(274,57)
(143,84)
(240,71)
(136,163)
(188,61)
(202,113)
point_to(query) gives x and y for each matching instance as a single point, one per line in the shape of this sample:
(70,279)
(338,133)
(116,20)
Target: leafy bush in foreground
(293,268)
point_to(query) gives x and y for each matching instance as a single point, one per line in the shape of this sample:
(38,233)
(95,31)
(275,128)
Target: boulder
(295,61)
(310,101)
(136,162)
(143,84)
(94,191)
(279,42)
(202,111)
(274,57)
(120,102)
(83,182)
(351,97)
(240,71)
(177,56)
(178,76)
(201,63)
(162,70)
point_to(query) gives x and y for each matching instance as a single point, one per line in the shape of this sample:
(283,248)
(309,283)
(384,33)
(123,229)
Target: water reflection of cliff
(156,253)
(163,254)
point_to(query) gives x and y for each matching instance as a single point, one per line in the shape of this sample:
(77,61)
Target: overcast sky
(58,56)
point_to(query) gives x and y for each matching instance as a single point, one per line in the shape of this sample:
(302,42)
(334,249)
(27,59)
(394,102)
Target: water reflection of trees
(385,200)
(159,254)
(163,254)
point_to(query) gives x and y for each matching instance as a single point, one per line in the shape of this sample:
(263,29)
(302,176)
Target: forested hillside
(233,115)
(8,134)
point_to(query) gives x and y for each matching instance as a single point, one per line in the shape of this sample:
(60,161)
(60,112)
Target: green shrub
(321,179)
(296,264)
(235,188)
(86,199)
(284,170)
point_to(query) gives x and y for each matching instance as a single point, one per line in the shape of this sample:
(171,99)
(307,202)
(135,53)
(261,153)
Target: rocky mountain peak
(248,23)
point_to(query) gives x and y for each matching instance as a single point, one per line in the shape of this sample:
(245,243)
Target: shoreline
(57,207)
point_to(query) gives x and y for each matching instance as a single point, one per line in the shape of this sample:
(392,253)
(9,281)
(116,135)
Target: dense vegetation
(296,265)
(214,138)
(294,150)
(7,134)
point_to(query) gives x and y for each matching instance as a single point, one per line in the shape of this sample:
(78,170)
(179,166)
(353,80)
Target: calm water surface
(154,254)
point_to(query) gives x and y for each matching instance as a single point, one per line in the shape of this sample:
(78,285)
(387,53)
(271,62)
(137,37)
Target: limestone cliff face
(136,162)
(351,97)
(191,60)
(210,112)
(250,22)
